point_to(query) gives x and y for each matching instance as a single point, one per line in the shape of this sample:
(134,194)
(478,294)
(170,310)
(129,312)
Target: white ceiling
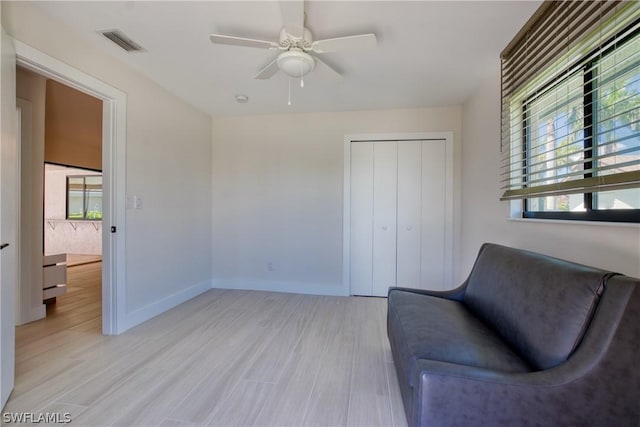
(430,53)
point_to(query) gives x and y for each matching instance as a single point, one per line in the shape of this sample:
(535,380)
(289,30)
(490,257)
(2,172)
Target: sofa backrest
(540,305)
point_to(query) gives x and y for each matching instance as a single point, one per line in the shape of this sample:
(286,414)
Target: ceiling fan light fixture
(296,63)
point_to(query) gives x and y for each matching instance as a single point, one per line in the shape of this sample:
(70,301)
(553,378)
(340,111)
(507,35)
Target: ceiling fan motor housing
(287,41)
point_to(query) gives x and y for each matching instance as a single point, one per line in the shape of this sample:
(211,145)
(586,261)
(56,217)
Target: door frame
(114,113)
(449,196)
(8,215)
(26,293)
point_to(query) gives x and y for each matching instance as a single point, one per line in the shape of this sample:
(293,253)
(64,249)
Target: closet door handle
(4,245)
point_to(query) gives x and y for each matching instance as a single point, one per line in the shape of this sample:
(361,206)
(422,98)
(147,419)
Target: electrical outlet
(270,266)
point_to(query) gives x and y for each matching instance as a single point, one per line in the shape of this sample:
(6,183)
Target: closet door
(385,182)
(397,215)
(361,221)
(433,222)
(410,200)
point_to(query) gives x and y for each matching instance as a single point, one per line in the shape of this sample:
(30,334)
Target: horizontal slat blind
(570,120)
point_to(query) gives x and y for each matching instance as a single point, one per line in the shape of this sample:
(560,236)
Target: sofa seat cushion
(427,327)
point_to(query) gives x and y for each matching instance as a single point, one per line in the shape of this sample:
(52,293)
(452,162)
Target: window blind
(570,101)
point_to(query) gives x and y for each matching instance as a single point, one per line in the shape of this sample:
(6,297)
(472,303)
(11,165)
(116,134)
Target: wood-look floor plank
(161,399)
(124,396)
(397,408)
(235,354)
(62,381)
(270,367)
(242,406)
(233,358)
(168,422)
(64,412)
(176,319)
(94,387)
(187,365)
(329,400)
(369,403)
(38,369)
(286,406)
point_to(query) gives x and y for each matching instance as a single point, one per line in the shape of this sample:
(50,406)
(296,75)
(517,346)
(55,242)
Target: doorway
(113,166)
(60,142)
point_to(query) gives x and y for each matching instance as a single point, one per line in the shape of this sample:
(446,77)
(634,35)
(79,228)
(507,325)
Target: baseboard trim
(152,310)
(276,286)
(35,313)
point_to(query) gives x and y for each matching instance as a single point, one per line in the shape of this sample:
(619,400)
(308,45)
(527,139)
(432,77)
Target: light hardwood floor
(224,358)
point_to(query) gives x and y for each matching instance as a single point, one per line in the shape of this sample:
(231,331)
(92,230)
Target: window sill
(574,222)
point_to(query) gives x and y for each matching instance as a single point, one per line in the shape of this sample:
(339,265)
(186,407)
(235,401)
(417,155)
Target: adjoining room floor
(79,310)
(224,358)
(79,259)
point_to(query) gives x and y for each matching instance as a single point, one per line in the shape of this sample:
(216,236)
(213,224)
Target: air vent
(121,40)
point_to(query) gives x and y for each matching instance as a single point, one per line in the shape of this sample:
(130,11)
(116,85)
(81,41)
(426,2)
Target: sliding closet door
(361,221)
(409,252)
(433,222)
(385,182)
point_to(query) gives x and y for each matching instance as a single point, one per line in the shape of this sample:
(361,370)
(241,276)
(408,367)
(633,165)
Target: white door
(361,221)
(8,206)
(385,183)
(398,215)
(409,251)
(434,216)
(374,168)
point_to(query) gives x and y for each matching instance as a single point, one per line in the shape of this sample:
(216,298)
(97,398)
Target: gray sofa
(526,340)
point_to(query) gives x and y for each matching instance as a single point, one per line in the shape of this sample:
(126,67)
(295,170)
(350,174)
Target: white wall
(168,241)
(277,193)
(485,219)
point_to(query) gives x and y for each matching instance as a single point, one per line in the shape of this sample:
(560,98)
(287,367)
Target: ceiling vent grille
(121,40)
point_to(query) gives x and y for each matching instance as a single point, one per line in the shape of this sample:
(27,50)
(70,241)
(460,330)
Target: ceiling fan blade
(242,41)
(293,16)
(344,44)
(268,71)
(325,68)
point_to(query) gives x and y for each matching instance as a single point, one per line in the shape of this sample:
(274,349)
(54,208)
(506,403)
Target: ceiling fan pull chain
(289,103)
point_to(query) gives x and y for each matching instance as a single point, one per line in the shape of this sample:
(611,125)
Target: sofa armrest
(453,294)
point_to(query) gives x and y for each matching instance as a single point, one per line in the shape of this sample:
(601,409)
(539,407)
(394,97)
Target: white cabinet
(397,215)
(54,276)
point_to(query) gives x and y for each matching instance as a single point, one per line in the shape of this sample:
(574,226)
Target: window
(571,127)
(84,197)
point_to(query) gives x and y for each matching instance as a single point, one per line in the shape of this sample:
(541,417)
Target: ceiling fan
(299,50)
